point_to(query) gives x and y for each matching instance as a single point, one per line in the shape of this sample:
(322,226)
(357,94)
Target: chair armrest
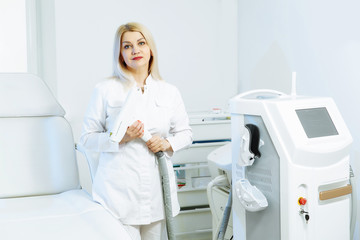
(92,159)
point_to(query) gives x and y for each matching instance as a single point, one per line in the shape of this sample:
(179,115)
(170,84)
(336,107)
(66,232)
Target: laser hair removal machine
(290,168)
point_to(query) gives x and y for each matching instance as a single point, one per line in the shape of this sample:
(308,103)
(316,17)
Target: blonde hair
(119,66)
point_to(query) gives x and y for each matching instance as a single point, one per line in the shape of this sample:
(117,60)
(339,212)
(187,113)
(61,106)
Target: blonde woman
(127,181)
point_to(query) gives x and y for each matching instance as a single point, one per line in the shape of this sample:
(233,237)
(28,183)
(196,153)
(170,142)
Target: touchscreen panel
(316,122)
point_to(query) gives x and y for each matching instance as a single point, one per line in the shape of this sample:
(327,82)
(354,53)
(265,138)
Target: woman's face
(135,52)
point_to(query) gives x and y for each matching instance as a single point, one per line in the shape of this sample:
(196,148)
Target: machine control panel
(316,122)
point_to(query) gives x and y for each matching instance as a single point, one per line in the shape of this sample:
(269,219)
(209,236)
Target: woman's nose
(135,50)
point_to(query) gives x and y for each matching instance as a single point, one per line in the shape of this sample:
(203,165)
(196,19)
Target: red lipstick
(137,58)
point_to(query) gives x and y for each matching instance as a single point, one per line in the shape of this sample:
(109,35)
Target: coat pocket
(112,111)
(114,108)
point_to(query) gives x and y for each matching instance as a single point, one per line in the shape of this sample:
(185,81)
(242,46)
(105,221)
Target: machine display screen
(316,122)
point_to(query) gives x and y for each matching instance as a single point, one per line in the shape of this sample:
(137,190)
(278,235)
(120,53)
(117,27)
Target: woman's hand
(136,130)
(157,144)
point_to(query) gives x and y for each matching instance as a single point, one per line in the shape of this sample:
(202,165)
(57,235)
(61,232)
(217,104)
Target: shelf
(176,168)
(184,189)
(193,223)
(193,197)
(211,130)
(192,232)
(196,153)
(200,234)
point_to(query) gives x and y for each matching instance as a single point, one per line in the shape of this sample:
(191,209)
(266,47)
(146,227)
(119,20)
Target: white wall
(13,54)
(196,42)
(317,39)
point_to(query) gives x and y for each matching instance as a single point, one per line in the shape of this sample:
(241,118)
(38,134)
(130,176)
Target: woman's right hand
(136,130)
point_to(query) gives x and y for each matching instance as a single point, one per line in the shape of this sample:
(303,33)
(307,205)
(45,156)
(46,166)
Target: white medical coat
(127,181)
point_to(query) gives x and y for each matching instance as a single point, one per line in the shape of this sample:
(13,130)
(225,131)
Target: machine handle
(257,92)
(334,193)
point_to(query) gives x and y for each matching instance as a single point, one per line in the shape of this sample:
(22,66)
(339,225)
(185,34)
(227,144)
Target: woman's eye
(126,46)
(141,43)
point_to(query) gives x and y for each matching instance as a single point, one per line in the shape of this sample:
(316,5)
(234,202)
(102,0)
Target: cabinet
(210,131)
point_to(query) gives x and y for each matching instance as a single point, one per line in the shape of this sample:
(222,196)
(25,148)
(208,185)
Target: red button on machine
(302,201)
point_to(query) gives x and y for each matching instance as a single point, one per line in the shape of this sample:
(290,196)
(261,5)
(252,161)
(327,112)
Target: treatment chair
(40,194)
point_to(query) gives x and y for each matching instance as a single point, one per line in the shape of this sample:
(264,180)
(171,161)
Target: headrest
(26,95)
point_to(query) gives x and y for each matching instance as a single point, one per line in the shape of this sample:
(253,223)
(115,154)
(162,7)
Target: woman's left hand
(157,144)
